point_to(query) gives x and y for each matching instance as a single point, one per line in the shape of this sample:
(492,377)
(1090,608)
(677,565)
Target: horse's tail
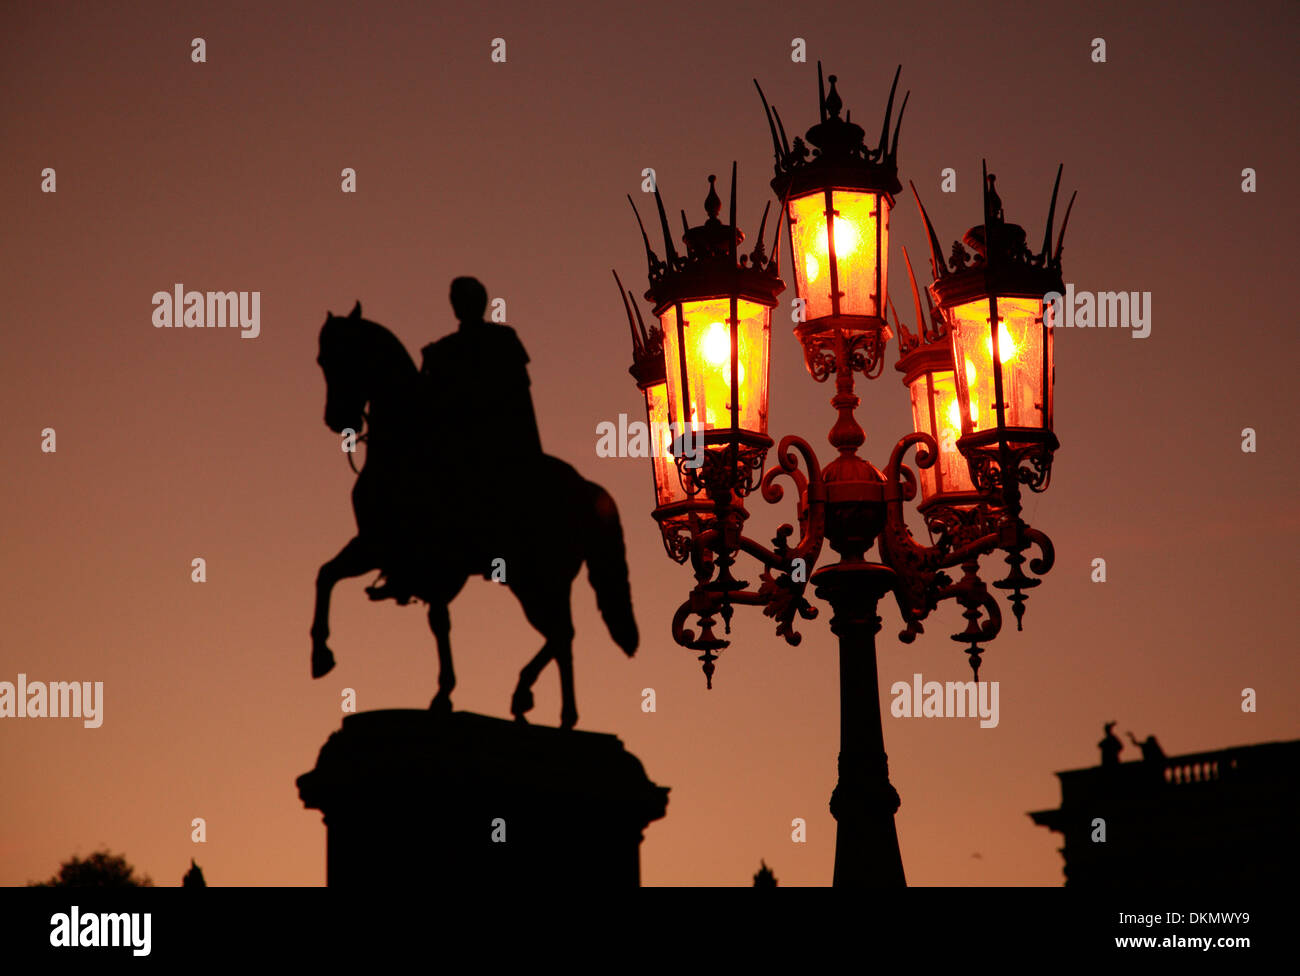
(607,570)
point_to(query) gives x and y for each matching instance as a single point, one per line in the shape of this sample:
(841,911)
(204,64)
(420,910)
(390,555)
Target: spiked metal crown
(712,265)
(647,343)
(839,156)
(1002,263)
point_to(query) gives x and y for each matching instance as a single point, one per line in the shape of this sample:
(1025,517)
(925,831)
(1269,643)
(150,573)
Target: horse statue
(428,525)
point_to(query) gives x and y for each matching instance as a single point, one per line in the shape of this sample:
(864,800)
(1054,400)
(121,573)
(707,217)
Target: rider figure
(481,372)
(479,376)
(487,436)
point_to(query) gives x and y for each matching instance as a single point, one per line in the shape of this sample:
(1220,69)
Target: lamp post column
(864,801)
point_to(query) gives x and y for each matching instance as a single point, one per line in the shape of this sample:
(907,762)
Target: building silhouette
(1205,820)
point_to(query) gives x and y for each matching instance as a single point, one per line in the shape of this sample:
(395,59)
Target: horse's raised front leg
(354,559)
(440,624)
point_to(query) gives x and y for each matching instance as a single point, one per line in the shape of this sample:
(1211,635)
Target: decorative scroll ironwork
(964,533)
(720,471)
(863,352)
(1031,463)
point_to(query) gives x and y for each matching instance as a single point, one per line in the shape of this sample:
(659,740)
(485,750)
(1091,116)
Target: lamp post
(989,430)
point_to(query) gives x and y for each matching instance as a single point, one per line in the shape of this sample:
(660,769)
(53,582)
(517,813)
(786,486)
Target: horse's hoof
(441,705)
(568,720)
(521,702)
(322,661)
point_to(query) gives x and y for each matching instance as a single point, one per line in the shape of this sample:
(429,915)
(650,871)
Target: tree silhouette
(101,869)
(765,878)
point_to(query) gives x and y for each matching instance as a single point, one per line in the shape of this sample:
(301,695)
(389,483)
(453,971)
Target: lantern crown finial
(713,203)
(713,240)
(995,241)
(832,103)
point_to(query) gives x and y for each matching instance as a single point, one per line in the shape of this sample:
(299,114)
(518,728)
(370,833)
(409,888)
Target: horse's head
(341,361)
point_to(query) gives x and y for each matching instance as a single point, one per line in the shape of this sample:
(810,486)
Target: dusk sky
(174,444)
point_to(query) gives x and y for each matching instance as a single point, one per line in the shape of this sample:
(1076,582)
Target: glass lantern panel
(1023,350)
(885,207)
(1049,368)
(672,362)
(855,251)
(668,485)
(920,391)
(808,241)
(954,473)
(936,411)
(705,335)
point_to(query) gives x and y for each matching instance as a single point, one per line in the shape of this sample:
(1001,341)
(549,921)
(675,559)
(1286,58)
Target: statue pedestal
(411,798)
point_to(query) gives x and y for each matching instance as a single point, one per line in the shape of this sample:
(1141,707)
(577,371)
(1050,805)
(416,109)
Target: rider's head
(468,299)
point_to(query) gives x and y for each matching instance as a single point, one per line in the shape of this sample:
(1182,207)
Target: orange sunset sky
(176,444)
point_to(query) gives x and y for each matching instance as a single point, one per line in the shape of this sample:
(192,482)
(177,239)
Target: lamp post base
(864,801)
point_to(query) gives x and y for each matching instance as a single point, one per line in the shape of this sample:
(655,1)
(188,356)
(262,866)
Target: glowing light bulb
(716,348)
(954,414)
(846,237)
(1006,345)
(811,267)
(716,344)
(970,390)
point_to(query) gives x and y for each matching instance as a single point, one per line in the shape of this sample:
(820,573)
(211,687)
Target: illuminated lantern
(714,307)
(837,200)
(926,363)
(993,304)
(674,506)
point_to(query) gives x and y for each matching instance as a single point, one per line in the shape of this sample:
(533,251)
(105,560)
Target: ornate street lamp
(714,306)
(1002,350)
(838,196)
(1002,344)
(714,309)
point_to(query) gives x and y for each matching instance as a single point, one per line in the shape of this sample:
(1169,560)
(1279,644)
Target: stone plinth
(410,798)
